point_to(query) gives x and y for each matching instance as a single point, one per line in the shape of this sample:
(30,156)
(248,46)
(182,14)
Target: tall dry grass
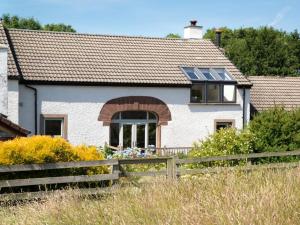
(261,197)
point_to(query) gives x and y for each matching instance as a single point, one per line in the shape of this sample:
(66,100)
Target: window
(224,75)
(207,73)
(131,129)
(213,93)
(211,85)
(191,73)
(229,93)
(198,93)
(222,124)
(54,125)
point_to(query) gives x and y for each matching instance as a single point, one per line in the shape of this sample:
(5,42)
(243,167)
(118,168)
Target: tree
(262,51)
(171,35)
(20,23)
(59,27)
(33,24)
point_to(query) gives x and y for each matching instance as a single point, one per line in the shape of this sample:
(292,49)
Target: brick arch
(135,103)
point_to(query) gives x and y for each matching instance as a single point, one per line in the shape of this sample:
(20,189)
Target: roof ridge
(107,35)
(270,76)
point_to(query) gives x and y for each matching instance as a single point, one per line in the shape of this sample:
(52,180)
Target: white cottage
(123,90)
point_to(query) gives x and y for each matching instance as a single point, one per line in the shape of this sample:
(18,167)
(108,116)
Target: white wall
(82,104)
(3,79)
(13,100)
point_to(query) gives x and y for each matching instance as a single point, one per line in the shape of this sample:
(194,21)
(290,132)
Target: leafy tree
(33,24)
(262,51)
(59,27)
(276,129)
(20,23)
(172,35)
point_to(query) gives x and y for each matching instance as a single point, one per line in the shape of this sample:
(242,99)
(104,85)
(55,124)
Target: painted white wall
(82,104)
(193,32)
(3,79)
(13,101)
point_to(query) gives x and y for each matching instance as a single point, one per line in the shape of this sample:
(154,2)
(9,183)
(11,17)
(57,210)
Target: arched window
(130,129)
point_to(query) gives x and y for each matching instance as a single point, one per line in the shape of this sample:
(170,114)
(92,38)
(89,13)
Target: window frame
(216,121)
(62,117)
(221,92)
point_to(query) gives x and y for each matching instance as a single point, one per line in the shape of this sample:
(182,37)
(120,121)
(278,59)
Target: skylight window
(191,73)
(223,74)
(207,74)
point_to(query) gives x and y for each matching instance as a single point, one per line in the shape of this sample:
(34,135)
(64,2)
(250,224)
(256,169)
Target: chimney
(218,37)
(3,80)
(193,31)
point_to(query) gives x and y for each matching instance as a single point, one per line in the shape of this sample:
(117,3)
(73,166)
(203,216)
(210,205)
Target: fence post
(171,168)
(115,169)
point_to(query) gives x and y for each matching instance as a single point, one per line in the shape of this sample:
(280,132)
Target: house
(122,90)
(10,130)
(270,91)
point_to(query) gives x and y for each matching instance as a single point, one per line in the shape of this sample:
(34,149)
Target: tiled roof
(268,91)
(12,69)
(12,126)
(73,57)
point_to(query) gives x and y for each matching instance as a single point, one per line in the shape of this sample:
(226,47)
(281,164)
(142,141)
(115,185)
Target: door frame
(134,134)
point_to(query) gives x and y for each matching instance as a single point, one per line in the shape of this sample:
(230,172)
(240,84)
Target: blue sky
(157,17)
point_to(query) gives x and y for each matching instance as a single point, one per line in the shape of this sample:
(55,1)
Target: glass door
(127,136)
(140,134)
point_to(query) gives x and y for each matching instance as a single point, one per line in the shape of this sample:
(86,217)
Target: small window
(213,93)
(191,73)
(127,115)
(54,125)
(207,74)
(198,93)
(116,116)
(152,116)
(229,93)
(223,124)
(223,74)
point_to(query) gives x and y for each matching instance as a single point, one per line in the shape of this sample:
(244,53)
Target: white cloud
(280,16)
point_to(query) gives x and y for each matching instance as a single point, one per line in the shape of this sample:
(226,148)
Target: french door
(133,135)
(131,129)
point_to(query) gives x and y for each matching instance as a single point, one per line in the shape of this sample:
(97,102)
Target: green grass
(260,197)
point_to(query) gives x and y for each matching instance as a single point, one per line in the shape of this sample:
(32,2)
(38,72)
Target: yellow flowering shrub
(45,149)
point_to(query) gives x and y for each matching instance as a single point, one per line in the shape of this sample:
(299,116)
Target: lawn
(260,197)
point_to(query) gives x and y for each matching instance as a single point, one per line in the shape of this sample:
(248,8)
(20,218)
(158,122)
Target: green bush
(276,129)
(223,142)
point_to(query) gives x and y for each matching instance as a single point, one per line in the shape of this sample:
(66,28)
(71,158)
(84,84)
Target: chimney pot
(218,37)
(193,22)
(193,31)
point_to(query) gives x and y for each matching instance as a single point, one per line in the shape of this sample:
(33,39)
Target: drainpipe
(35,107)
(244,107)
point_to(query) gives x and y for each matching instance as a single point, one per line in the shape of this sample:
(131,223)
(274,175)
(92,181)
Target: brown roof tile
(268,91)
(73,57)
(12,68)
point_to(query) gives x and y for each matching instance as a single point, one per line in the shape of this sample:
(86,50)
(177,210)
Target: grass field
(261,197)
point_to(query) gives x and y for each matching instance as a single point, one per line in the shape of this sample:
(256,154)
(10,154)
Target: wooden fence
(173,168)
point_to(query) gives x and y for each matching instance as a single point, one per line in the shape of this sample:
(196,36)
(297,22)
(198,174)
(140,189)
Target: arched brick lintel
(135,103)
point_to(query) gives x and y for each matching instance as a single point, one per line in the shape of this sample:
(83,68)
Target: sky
(157,18)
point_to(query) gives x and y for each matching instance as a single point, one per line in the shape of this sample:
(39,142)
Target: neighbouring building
(271,91)
(122,90)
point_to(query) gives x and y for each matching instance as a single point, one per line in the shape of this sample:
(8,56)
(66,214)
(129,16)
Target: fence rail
(172,169)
